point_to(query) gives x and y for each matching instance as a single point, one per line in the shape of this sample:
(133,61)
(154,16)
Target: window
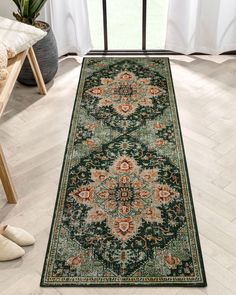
(128,25)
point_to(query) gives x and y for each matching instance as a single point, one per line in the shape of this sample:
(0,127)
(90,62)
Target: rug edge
(188,181)
(60,179)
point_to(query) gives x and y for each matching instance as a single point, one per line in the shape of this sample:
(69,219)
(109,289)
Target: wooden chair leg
(6,180)
(36,71)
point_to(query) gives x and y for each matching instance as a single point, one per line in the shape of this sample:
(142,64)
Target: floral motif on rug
(124,214)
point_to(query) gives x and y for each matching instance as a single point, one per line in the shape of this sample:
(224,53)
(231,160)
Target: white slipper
(9,250)
(18,236)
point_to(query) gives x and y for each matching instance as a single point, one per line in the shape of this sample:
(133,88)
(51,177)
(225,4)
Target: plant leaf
(26,8)
(22,3)
(18,4)
(36,6)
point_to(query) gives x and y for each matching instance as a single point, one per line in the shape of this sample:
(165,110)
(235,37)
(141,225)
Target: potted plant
(45,49)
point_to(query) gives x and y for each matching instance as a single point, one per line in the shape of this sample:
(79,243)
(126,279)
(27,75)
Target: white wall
(6,8)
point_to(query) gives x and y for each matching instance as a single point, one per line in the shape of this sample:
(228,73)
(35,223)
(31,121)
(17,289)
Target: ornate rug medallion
(124,214)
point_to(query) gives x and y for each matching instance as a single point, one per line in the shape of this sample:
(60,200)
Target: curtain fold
(70,24)
(207,26)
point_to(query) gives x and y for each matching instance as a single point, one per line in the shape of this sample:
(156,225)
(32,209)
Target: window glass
(124,18)
(96,23)
(156,23)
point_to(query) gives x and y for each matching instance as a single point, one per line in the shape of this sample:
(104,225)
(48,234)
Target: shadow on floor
(24,97)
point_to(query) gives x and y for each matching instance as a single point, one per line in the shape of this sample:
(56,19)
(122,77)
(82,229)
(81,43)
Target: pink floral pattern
(125,93)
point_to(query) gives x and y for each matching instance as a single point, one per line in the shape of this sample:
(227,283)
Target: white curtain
(70,24)
(207,26)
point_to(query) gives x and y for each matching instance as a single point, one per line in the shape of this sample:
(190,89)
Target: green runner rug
(124,214)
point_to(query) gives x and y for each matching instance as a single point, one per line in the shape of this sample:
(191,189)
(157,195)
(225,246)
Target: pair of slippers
(12,239)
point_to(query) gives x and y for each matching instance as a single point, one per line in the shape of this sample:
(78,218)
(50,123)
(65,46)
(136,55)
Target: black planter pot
(47,55)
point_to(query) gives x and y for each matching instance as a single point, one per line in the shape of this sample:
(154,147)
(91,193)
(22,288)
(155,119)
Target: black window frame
(142,51)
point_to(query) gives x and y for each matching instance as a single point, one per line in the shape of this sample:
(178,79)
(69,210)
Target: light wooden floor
(33,133)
